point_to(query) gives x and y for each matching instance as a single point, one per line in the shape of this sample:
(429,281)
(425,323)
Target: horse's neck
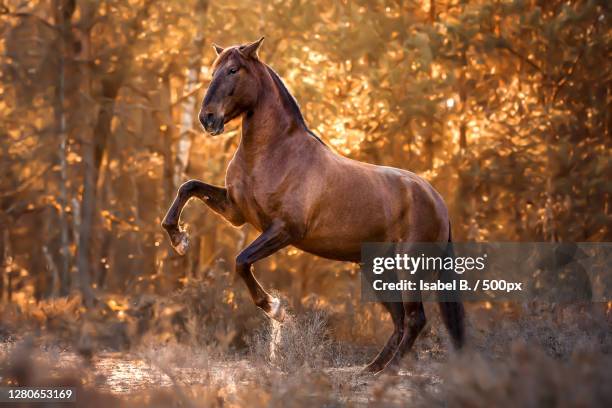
(268,126)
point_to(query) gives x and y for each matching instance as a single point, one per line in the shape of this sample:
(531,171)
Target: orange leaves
(115,306)
(109,218)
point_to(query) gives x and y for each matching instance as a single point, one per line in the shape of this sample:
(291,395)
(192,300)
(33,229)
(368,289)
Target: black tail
(453,314)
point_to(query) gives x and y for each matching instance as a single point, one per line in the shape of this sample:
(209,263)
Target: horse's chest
(254,205)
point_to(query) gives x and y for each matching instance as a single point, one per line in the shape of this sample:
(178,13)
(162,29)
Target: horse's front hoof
(277,311)
(182,243)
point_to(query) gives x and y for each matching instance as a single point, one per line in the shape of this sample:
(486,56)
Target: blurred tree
(503,105)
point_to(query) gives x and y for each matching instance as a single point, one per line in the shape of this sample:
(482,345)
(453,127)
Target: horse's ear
(250,50)
(218,49)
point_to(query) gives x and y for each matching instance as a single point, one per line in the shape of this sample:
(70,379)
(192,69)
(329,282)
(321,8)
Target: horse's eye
(233,70)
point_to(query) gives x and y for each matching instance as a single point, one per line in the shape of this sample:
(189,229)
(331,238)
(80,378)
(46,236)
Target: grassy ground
(202,347)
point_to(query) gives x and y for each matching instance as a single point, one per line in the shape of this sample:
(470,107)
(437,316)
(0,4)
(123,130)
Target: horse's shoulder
(235,169)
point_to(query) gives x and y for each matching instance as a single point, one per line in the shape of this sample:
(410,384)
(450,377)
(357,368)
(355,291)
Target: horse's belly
(342,241)
(350,252)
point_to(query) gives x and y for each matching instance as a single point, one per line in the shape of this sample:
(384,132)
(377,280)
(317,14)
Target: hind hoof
(371,369)
(392,368)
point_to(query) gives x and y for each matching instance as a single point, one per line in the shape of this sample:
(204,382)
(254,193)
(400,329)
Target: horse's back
(363,202)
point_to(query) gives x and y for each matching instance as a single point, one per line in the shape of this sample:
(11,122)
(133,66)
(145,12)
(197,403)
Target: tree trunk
(92,159)
(64,12)
(188,107)
(94,149)
(465,201)
(7,264)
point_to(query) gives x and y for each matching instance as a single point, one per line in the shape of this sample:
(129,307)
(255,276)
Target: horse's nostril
(211,122)
(206,118)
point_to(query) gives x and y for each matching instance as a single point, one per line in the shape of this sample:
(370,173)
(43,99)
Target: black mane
(292,103)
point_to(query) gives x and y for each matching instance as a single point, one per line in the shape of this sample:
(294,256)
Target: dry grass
(301,342)
(207,345)
(527,377)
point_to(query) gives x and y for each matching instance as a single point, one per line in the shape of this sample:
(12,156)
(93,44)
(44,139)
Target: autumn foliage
(504,106)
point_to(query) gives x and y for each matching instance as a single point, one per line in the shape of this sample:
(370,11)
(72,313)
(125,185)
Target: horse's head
(234,86)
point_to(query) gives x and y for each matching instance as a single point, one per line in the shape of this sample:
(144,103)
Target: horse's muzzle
(212,123)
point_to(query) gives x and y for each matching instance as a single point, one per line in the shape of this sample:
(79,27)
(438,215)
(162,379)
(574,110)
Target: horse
(296,191)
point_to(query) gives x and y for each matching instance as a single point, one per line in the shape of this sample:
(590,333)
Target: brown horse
(289,185)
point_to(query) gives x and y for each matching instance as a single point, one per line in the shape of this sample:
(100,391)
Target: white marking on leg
(276,310)
(183,244)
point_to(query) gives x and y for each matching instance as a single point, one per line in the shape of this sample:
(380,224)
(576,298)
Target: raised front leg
(274,238)
(215,197)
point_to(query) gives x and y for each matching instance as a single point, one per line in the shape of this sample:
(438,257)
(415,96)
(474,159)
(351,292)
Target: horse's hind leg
(415,315)
(272,240)
(397,314)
